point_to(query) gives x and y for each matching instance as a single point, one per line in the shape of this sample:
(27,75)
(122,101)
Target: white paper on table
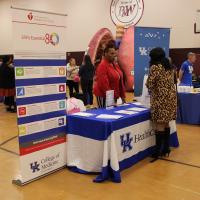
(83,114)
(105,116)
(126,112)
(121,105)
(137,109)
(137,103)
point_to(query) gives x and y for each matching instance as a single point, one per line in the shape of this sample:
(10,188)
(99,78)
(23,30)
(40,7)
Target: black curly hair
(158,56)
(110,45)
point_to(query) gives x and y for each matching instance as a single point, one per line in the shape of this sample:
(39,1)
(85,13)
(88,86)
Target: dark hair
(6,58)
(72,58)
(87,60)
(158,56)
(190,54)
(109,45)
(88,63)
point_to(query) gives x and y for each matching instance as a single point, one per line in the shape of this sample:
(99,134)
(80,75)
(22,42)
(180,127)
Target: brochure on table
(110,98)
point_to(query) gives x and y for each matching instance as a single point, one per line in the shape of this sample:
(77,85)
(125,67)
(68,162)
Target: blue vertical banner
(146,39)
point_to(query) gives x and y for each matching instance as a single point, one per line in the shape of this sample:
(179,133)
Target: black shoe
(166,143)
(11,109)
(8,109)
(158,152)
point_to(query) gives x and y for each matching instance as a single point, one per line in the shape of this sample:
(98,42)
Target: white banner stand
(40,71)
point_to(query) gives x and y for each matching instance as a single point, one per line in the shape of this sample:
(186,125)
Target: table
(189,108)
(107,146)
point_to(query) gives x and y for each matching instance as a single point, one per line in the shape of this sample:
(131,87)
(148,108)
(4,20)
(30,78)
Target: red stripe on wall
(44,145)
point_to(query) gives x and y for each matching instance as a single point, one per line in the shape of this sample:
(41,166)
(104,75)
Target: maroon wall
(77,55)
(180,55)
(197,66)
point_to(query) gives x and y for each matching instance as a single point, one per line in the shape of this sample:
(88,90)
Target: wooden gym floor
(175,179)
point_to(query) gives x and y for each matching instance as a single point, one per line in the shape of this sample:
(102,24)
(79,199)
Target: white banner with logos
(38,32)
(40,71)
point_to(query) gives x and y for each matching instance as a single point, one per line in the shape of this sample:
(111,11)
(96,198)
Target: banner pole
(39,11)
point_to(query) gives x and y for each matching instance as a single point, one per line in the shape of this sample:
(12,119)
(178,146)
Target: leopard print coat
(161,85)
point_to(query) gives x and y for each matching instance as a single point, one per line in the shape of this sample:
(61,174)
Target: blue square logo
(20,91)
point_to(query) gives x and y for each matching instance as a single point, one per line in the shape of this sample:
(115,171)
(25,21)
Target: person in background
(86,73)
(163,99)
(72,72)
(185,73)
(109,77)
(175,70)
(7,83)
(1,61)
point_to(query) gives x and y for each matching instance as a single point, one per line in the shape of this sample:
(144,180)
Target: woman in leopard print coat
(161,85)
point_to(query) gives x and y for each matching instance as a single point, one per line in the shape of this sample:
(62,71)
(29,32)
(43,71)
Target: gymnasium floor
(177,179)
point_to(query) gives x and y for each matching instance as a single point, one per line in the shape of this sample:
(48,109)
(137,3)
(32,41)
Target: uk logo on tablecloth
(126,142)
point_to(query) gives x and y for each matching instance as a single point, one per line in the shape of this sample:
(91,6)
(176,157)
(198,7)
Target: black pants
(72,85)
(87,87)
(9,101)
(101,102)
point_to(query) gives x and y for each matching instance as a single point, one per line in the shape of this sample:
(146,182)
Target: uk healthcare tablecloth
(189,108)
(108,146)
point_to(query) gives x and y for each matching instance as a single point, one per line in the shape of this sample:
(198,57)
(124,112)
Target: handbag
(77,78)
(74,106)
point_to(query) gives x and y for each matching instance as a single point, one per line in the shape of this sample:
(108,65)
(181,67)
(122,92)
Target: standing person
(7,83)
(163,100)
(1,61)
(175,71)
(109,77)
(185,73)
(72,72)
(86,74)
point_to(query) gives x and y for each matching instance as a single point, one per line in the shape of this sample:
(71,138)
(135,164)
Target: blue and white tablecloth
(108,146)
(189,108)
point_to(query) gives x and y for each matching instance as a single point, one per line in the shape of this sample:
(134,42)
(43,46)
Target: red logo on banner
(30,16)
(22,111)
(61,88)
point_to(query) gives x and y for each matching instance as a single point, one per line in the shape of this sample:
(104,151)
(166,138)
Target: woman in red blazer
(109,77)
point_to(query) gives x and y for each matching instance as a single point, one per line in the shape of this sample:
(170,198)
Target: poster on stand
(40,73)
(147,38)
